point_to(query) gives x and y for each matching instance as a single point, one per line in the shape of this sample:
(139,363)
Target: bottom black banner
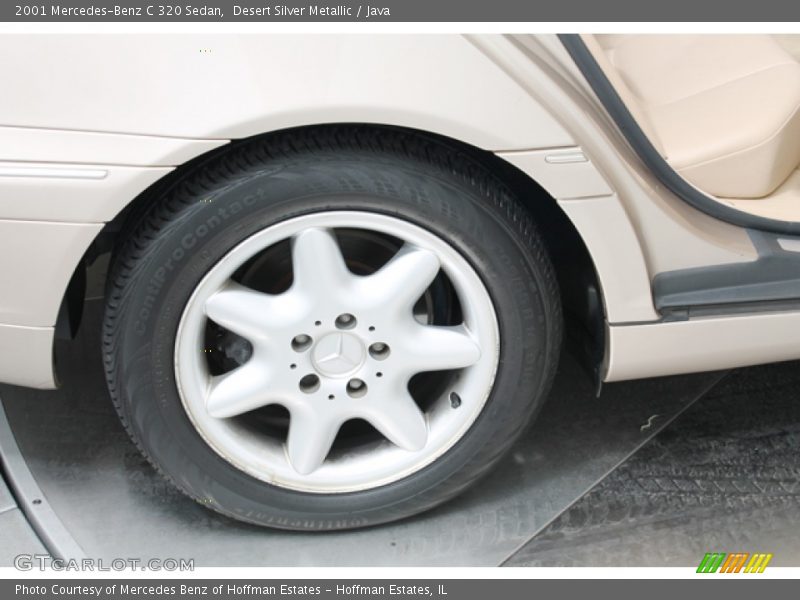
(373,589)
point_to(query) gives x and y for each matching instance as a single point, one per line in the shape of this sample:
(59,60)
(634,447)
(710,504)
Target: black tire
(387,171)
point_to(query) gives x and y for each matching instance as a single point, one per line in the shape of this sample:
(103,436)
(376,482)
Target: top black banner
(153,11)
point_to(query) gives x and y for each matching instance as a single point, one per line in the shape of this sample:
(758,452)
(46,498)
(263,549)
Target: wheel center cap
(338,354)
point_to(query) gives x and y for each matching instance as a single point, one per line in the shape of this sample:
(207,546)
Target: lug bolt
(345,321)
(301,343)
(379,351)
(309,384)
(356,388)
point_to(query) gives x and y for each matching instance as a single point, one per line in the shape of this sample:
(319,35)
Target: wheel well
(578,282)
(579,285)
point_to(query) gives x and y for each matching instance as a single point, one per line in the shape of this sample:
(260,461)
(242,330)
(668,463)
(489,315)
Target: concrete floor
(111,503)
(16,534)
(654,472)
(590,485)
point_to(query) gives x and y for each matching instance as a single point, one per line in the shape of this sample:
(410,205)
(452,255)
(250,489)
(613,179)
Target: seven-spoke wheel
(337,346)
(330,329)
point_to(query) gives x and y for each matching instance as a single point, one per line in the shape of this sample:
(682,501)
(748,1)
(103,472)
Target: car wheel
(330,330)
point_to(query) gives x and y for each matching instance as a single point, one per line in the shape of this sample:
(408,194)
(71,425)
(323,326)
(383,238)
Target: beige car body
(90,122)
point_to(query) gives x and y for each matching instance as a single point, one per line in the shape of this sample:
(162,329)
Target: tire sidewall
(198,227)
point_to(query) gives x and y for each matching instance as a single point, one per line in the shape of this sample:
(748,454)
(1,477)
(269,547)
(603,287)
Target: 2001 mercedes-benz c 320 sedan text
(340,265)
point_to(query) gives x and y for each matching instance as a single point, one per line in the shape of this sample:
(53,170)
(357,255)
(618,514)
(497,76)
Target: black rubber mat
(724,477)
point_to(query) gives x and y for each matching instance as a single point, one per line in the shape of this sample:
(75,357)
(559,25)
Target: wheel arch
(578,280)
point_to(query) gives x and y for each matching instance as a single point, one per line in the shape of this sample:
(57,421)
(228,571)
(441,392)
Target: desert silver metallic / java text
(334,347)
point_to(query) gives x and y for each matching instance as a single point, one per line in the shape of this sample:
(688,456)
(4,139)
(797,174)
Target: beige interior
(724,110)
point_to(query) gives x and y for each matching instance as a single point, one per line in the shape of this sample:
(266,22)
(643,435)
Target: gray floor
(17,534)
(113,504)
(725,476)
(6,499)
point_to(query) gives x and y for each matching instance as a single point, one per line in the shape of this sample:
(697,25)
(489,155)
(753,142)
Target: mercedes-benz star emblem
(338,354)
